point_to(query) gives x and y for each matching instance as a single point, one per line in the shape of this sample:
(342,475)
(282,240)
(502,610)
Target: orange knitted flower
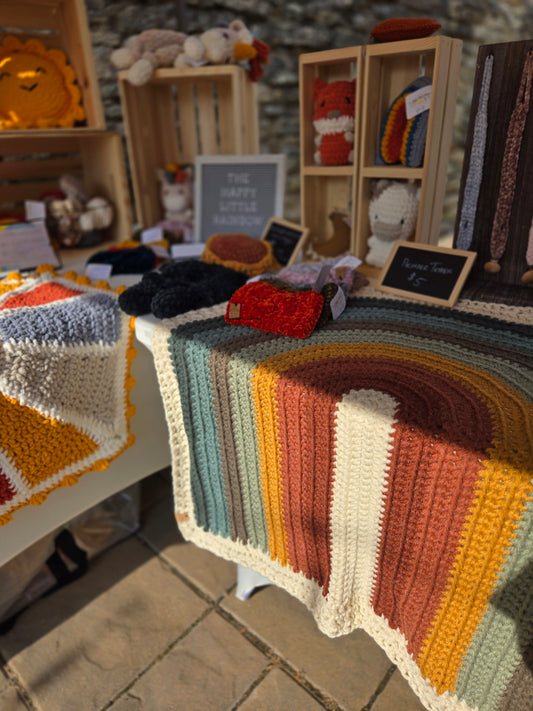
(37,87)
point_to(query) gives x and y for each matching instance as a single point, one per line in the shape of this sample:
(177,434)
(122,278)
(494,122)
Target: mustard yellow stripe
(502,491)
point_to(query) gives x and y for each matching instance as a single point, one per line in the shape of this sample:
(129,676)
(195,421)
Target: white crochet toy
(393,211)
(226,44)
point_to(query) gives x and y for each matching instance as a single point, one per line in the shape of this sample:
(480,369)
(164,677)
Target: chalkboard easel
(287,239)
(426,272)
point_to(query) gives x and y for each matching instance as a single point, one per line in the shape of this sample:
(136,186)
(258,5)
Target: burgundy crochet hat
(240,252)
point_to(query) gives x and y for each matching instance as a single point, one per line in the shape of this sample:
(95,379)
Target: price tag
(337,303)
(154,234)
(98,272)
(418,101)
(35,210)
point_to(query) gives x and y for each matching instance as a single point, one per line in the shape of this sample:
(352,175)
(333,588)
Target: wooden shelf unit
(326,188)
(179,114)
(33,160)
(383,71)
(59,24)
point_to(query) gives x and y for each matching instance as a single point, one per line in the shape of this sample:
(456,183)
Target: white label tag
(348,261)
(35,210)
(337,303)
(418,101)
(154,234)
(160,251)
(98,272)
(187,251)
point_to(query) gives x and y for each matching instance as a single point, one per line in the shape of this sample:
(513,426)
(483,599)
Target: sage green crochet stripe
(180,369)
(495,651)
(245,438)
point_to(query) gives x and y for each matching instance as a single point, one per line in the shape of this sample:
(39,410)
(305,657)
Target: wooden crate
(182,113)
(389,68)
(59,24)
(32,161)
(324,189)
(383,71)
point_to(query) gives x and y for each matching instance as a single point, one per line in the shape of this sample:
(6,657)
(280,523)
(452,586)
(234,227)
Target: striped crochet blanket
(381,471)
(65,354)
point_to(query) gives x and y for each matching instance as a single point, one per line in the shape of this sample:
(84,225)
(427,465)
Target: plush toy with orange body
(333,120)
(37,87)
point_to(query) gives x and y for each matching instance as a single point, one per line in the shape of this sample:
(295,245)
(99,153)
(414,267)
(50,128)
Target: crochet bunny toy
(176,194)
(393,210)
(142,54)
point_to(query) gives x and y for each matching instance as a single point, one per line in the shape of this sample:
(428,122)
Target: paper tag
(418,101)
(160,251)
(187,251)
(35,210)
(154,234)
(98,272)
(348,261)
(337,303)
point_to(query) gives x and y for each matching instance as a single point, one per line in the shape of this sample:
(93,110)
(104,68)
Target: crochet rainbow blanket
(65,354)
(380,470)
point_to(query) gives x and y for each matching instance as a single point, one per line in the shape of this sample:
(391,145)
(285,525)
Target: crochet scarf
(380,471)
(65,354)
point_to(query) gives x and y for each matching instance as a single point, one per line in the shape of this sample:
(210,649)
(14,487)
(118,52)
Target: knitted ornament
(403,140)
(37,87)
(179,287)
(403,28)
(333,120)
(392,212)
(268,307)
(240,252)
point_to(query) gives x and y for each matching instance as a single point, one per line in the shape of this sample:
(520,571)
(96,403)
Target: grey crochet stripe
(502,216)
(477,156)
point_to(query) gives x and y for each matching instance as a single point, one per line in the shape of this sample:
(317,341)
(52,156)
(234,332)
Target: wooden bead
(527,277)
(492,267)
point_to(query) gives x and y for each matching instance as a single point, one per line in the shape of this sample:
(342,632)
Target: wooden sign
(237,194)
(425,272)
(287,239)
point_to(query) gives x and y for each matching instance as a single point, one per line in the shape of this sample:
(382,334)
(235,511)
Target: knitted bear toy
(333,120)
(392,211)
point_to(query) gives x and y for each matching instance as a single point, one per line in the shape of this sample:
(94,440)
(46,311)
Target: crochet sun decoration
(37,87)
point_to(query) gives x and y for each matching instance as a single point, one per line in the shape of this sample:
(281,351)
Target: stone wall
(292,28)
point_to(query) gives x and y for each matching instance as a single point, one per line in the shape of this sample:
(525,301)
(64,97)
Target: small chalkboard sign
(237,193)
(425,272)
(287,239)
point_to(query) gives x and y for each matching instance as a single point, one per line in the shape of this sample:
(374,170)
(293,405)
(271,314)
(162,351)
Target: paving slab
(9,698)
(210,668)
(397,695)
(79,647)
(211,574)
(347,669)
(279,692)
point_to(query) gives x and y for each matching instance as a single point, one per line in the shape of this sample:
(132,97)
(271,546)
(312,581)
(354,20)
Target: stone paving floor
(154,625)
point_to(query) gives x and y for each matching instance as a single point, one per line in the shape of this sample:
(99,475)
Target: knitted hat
(130,260)
(403,28)
(270,307)
(402,140)
(178,287)
(240,252)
